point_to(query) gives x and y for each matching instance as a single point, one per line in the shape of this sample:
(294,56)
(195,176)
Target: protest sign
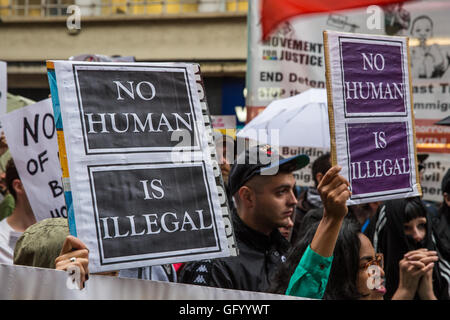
(139,165)
(3,87)
(31,136)
(371,116)
(436,165)
(291,60)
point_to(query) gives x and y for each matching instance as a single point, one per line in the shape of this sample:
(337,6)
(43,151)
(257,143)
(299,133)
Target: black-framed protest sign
(139,169)
(371,115)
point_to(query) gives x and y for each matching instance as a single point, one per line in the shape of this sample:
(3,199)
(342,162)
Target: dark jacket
(308,200)
(259,256)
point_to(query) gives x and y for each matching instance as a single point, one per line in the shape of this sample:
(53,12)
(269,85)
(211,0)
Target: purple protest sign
(371,119)
(379,158)
(372,73)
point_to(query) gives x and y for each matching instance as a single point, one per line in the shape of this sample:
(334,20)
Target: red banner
(275,12)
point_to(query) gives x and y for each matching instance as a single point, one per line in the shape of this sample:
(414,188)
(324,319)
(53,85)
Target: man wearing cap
(262,190)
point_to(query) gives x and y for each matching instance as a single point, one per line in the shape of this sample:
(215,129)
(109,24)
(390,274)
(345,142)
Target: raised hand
(334,192)
(74,257)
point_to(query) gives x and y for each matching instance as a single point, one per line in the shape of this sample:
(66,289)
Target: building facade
(212,33)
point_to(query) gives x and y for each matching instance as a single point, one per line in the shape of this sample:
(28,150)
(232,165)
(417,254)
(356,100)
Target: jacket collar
(256,239)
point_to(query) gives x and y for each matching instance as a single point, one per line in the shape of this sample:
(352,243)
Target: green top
(7,206)
(311,276)
(4,158)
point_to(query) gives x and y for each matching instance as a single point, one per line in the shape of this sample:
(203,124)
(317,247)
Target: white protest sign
(371,116)
(28,283)
(3,87)
(223,122)
(436,165)
(141,174)
(31,136)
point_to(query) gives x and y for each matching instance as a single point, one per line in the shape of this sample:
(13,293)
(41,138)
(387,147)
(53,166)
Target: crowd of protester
(308,244)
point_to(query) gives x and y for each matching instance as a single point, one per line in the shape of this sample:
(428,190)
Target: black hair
(445,187)
(11,174)
(321,165)
(445,184)
(342,282)
(414,209)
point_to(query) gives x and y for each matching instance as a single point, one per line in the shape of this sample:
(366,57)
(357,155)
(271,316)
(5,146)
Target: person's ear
(18,186)
(247,196)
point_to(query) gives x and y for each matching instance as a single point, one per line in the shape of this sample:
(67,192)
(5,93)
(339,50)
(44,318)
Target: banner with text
(140,166)
(31,136)
(371,116)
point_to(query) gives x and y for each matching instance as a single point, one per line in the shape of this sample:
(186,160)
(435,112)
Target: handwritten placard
(31,136)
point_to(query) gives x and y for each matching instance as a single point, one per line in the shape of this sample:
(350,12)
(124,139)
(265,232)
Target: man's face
(275,200)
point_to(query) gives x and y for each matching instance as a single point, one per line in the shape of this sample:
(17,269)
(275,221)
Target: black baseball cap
(261,160)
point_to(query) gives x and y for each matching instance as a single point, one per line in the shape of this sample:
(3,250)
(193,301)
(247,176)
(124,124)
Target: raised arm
(334,192)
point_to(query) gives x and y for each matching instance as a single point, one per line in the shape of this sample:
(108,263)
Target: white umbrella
(301,120)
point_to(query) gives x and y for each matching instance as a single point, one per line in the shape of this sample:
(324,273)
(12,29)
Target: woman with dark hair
(357,271)
(352,274)
(402,231)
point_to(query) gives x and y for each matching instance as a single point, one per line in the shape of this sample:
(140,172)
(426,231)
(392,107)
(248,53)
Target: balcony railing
(52,8)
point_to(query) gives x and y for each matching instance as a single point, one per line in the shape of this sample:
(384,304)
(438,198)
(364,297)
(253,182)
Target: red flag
(275,12)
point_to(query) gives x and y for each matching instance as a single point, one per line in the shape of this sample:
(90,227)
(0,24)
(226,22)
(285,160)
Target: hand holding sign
(334,192)
(74,258)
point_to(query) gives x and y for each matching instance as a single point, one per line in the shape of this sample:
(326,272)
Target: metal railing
(52,8)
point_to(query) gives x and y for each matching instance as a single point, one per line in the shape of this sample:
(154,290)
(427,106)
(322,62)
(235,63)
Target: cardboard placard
(371,116)
(142,177)
(31,136)
(3,87)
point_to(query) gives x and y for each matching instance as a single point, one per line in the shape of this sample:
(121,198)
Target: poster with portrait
(140,171)
(291,60)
